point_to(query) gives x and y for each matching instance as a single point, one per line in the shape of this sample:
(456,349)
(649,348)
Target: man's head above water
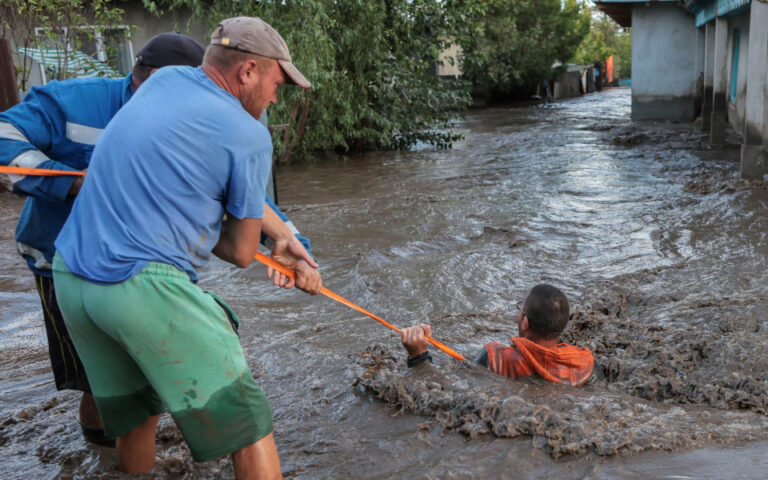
(543,314)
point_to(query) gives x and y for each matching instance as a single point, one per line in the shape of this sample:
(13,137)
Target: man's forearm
(481,359)
(420,358)
(21,149)
(273,226)
(238,240)
(76,186)
(52,189)
(269,242)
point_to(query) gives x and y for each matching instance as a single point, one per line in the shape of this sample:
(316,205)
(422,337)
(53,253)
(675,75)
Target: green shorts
(157,340)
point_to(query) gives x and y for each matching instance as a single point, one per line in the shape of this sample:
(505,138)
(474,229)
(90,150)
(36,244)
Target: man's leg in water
(258,461)
(136,454)
(89,414)
(68,370)
(136,449)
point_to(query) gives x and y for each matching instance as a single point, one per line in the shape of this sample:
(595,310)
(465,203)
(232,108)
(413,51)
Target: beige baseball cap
(254,35)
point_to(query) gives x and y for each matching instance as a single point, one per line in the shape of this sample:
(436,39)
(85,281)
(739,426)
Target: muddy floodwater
(659,245)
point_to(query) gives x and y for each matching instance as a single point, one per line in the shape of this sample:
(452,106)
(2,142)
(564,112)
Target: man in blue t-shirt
(178,174)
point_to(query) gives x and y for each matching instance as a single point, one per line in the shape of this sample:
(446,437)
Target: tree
(369,64)
(56,26)
(623,54)
(592,49)
(606,38)
(516,42)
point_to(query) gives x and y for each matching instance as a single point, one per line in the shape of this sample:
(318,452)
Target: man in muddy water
(535,352)
(179,173)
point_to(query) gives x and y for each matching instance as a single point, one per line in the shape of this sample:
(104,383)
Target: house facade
(104,53)
(705,58)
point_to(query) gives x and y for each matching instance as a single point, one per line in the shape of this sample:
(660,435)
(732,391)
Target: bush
(369,63)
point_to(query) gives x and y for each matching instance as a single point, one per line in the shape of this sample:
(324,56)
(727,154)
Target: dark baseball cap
(170,49)
(254,35)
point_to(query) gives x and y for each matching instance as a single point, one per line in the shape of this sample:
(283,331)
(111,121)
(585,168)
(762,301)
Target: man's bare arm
(239,240)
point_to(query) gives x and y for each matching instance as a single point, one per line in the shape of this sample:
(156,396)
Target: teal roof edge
(707,10)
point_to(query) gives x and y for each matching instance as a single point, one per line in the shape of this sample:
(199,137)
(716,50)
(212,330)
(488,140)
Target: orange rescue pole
(42,172)
(289,273)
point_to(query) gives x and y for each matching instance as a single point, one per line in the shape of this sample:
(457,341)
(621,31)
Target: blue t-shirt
(167,167)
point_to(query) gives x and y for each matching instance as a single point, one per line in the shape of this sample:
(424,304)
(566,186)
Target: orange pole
(609,68)
(290,273)
(40,172)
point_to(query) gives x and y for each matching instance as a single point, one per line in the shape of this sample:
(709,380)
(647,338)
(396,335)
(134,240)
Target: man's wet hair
(547,310)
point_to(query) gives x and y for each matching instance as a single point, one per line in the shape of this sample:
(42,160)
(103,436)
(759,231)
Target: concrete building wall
(698,94)
(754,161)
(737,108)
(665,88)
(147,25)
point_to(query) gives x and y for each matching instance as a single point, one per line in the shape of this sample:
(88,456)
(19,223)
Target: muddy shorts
(157,340)
(68,370)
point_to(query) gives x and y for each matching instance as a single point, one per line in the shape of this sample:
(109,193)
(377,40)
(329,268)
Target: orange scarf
(560,364)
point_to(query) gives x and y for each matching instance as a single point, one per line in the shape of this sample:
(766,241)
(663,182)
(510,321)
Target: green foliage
(622,59)
(369,63)
(606,38)
(592,49)
(512,44)
(62,26)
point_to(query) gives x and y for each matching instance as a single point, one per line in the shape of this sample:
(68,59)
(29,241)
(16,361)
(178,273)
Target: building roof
(621,10)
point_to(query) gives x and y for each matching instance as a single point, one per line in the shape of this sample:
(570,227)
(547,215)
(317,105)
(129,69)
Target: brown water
(660,247)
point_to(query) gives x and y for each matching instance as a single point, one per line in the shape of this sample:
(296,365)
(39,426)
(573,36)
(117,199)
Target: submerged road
(660,247)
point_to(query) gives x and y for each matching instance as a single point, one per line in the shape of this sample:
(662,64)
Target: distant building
(448,63)
(700,57)
(576,80)
(106,53)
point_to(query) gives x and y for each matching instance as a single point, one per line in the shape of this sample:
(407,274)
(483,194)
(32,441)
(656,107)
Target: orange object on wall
(609,69)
